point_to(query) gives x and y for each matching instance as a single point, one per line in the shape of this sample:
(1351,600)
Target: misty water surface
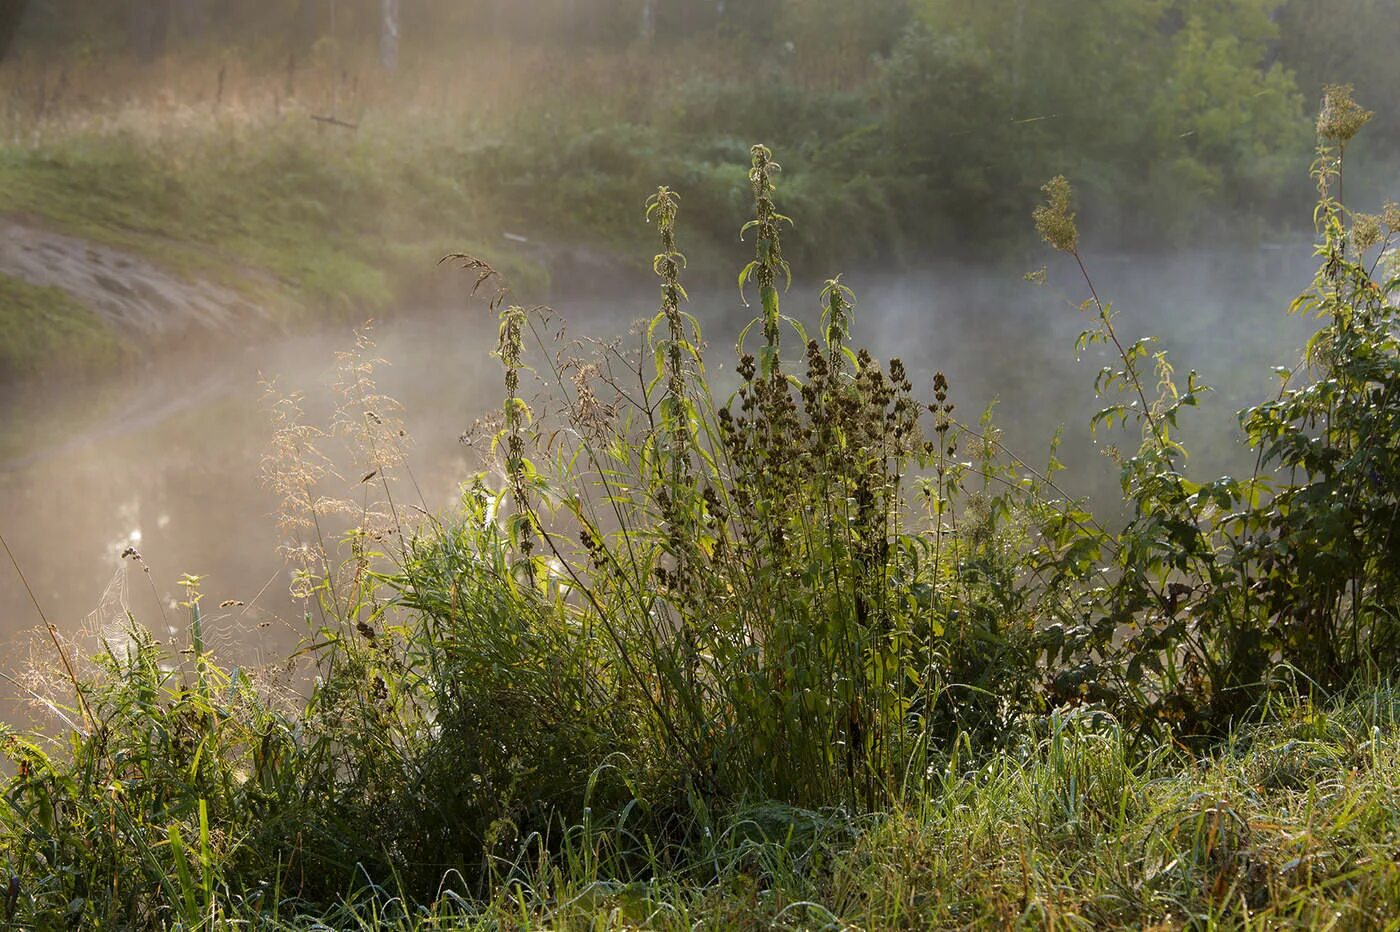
(166,460)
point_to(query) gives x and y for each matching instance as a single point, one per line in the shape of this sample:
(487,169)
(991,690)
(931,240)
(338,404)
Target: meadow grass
(1288,822)
(312,221)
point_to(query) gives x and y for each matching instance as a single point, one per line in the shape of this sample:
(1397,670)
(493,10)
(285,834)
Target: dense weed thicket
(817,651)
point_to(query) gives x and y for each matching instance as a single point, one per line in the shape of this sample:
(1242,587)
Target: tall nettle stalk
(671,365)
(768,254)
(516,416)
(677,358)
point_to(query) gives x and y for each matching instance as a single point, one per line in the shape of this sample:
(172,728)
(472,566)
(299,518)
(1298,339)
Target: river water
(166,460)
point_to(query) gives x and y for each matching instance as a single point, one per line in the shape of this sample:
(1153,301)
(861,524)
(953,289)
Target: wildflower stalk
(663,207)
(1152,480)
(1338,121)
(1055,223)
(768,254)
(516,414)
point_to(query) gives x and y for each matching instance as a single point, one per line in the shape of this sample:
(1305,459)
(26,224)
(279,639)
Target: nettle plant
(800,591)
(1215,593)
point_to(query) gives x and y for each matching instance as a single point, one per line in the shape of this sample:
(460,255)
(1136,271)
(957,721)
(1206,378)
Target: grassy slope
(313,222)
(1288,824)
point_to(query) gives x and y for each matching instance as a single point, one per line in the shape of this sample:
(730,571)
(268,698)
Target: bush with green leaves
(1215,593)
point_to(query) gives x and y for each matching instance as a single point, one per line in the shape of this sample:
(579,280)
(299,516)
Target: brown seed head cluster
(1390,217)
(1366,231)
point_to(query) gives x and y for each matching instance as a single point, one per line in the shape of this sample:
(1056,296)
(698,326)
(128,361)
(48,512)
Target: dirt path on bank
(136,298)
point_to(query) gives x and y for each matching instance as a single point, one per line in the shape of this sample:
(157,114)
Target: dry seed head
(293,466)
(746,368)
(589,412)
(1053,220)
(940,387)
(1341,116)
(366,419)
(1366,231)
(1390,217)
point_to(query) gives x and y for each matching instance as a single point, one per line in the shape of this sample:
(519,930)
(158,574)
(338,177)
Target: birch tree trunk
(389,35)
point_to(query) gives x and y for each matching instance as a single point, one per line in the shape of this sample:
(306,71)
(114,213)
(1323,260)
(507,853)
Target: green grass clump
(208,819)
(46,329)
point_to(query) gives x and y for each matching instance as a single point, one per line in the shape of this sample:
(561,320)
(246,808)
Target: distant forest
(1312,35)
(150,26)
(939,118)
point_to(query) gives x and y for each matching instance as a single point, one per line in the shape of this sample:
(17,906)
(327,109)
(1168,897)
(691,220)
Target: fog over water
(166,460)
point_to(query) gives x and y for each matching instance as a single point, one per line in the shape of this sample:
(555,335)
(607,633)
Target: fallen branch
(334,121)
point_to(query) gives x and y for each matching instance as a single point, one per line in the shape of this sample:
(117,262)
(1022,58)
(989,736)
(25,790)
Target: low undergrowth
(1071,826)
(799,646)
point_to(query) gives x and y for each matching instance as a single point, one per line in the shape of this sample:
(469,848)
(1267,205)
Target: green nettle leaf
(769,296)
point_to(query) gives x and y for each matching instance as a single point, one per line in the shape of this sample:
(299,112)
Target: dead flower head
(1053,220)
(1341,117)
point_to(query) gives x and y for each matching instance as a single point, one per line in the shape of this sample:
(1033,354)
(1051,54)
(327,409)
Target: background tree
(11,12)
(389,35)
(836,42)
(1347,42)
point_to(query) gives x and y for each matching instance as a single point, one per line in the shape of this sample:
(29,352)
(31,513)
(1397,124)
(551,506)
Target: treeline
(1307,34)
(908,121)
(933,122)
(1064,61)
(150,27)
